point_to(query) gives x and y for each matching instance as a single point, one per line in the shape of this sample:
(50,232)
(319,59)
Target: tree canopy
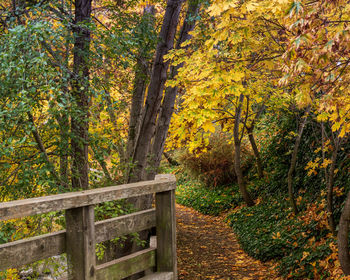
(252,93)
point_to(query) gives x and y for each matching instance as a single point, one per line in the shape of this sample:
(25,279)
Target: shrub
(214,165)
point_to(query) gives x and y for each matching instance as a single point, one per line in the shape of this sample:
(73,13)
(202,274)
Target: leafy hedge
(214,164)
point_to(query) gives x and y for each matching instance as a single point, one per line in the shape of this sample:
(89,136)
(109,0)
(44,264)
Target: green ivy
(211,201)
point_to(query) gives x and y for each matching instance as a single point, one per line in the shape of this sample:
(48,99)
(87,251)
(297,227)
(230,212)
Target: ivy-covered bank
(302,245)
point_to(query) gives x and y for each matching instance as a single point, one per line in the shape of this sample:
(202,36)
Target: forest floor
(208,249)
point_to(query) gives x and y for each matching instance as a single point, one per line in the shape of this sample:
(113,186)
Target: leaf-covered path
(208,249)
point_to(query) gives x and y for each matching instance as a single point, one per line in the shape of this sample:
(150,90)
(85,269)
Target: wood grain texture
(40,247)
(166,177)
(135,222)
(41,205)
(82,233)
(80,243)
(18,253)
(126,266)
(166,232)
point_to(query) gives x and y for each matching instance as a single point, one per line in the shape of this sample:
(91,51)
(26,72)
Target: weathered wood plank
(18,253)
(166,177)
(159,276)
(153,276)
(135,222)
(166,232)
(33,249)
(126,266)
(80,243)
(40,205)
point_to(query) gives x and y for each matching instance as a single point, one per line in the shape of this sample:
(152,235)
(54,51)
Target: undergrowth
(213,166)
(270,231)
(209,201)
(302,246)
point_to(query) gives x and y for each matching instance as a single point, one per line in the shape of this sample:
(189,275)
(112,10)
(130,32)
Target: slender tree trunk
(144,130)
(42,149)
(343,237)
(140,83)
(120,145)
(329,176)
(151,108)
(80,89)
(63,121)
(170,159)
(237,141)
(137,102)
(167,107)
(63,118)
(101,162)
(250,131)
(64,155)
(330,184)
(259,164)
(155,91)
(294,161)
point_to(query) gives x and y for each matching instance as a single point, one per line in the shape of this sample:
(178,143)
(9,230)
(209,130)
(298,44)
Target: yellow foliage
(220,65)
(10,274)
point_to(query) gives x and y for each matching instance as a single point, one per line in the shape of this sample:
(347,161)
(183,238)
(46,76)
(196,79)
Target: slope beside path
(208,249)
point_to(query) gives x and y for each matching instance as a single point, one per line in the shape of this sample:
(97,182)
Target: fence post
(166,231)
(80,243)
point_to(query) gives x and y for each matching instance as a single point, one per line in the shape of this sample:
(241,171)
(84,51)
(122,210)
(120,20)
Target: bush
(214,165)
(214,201)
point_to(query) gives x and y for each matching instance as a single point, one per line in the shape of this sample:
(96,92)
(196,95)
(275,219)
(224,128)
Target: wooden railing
(82,233)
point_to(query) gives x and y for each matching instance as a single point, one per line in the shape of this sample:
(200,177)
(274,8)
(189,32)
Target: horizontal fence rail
(45,204)
(129,265)
(82,233)
(33,249)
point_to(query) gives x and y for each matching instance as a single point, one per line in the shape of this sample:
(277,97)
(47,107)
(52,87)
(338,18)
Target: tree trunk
(237,140)
(140,82)
(259,164)
(152,105)
(343,237)
(64,143)
(329,176)
(80,88)
(63,118)
(113,118)
(167,107)
(101,162)
(144,131)
(330,183)
(42,149)
(294,160)
(155,91)
(170,159)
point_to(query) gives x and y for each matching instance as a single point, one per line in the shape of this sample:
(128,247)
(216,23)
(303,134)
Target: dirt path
(208,249)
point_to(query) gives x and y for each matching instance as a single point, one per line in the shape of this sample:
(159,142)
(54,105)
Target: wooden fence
(82,232)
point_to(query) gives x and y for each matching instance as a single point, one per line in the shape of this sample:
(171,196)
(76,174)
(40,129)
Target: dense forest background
(247,101)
